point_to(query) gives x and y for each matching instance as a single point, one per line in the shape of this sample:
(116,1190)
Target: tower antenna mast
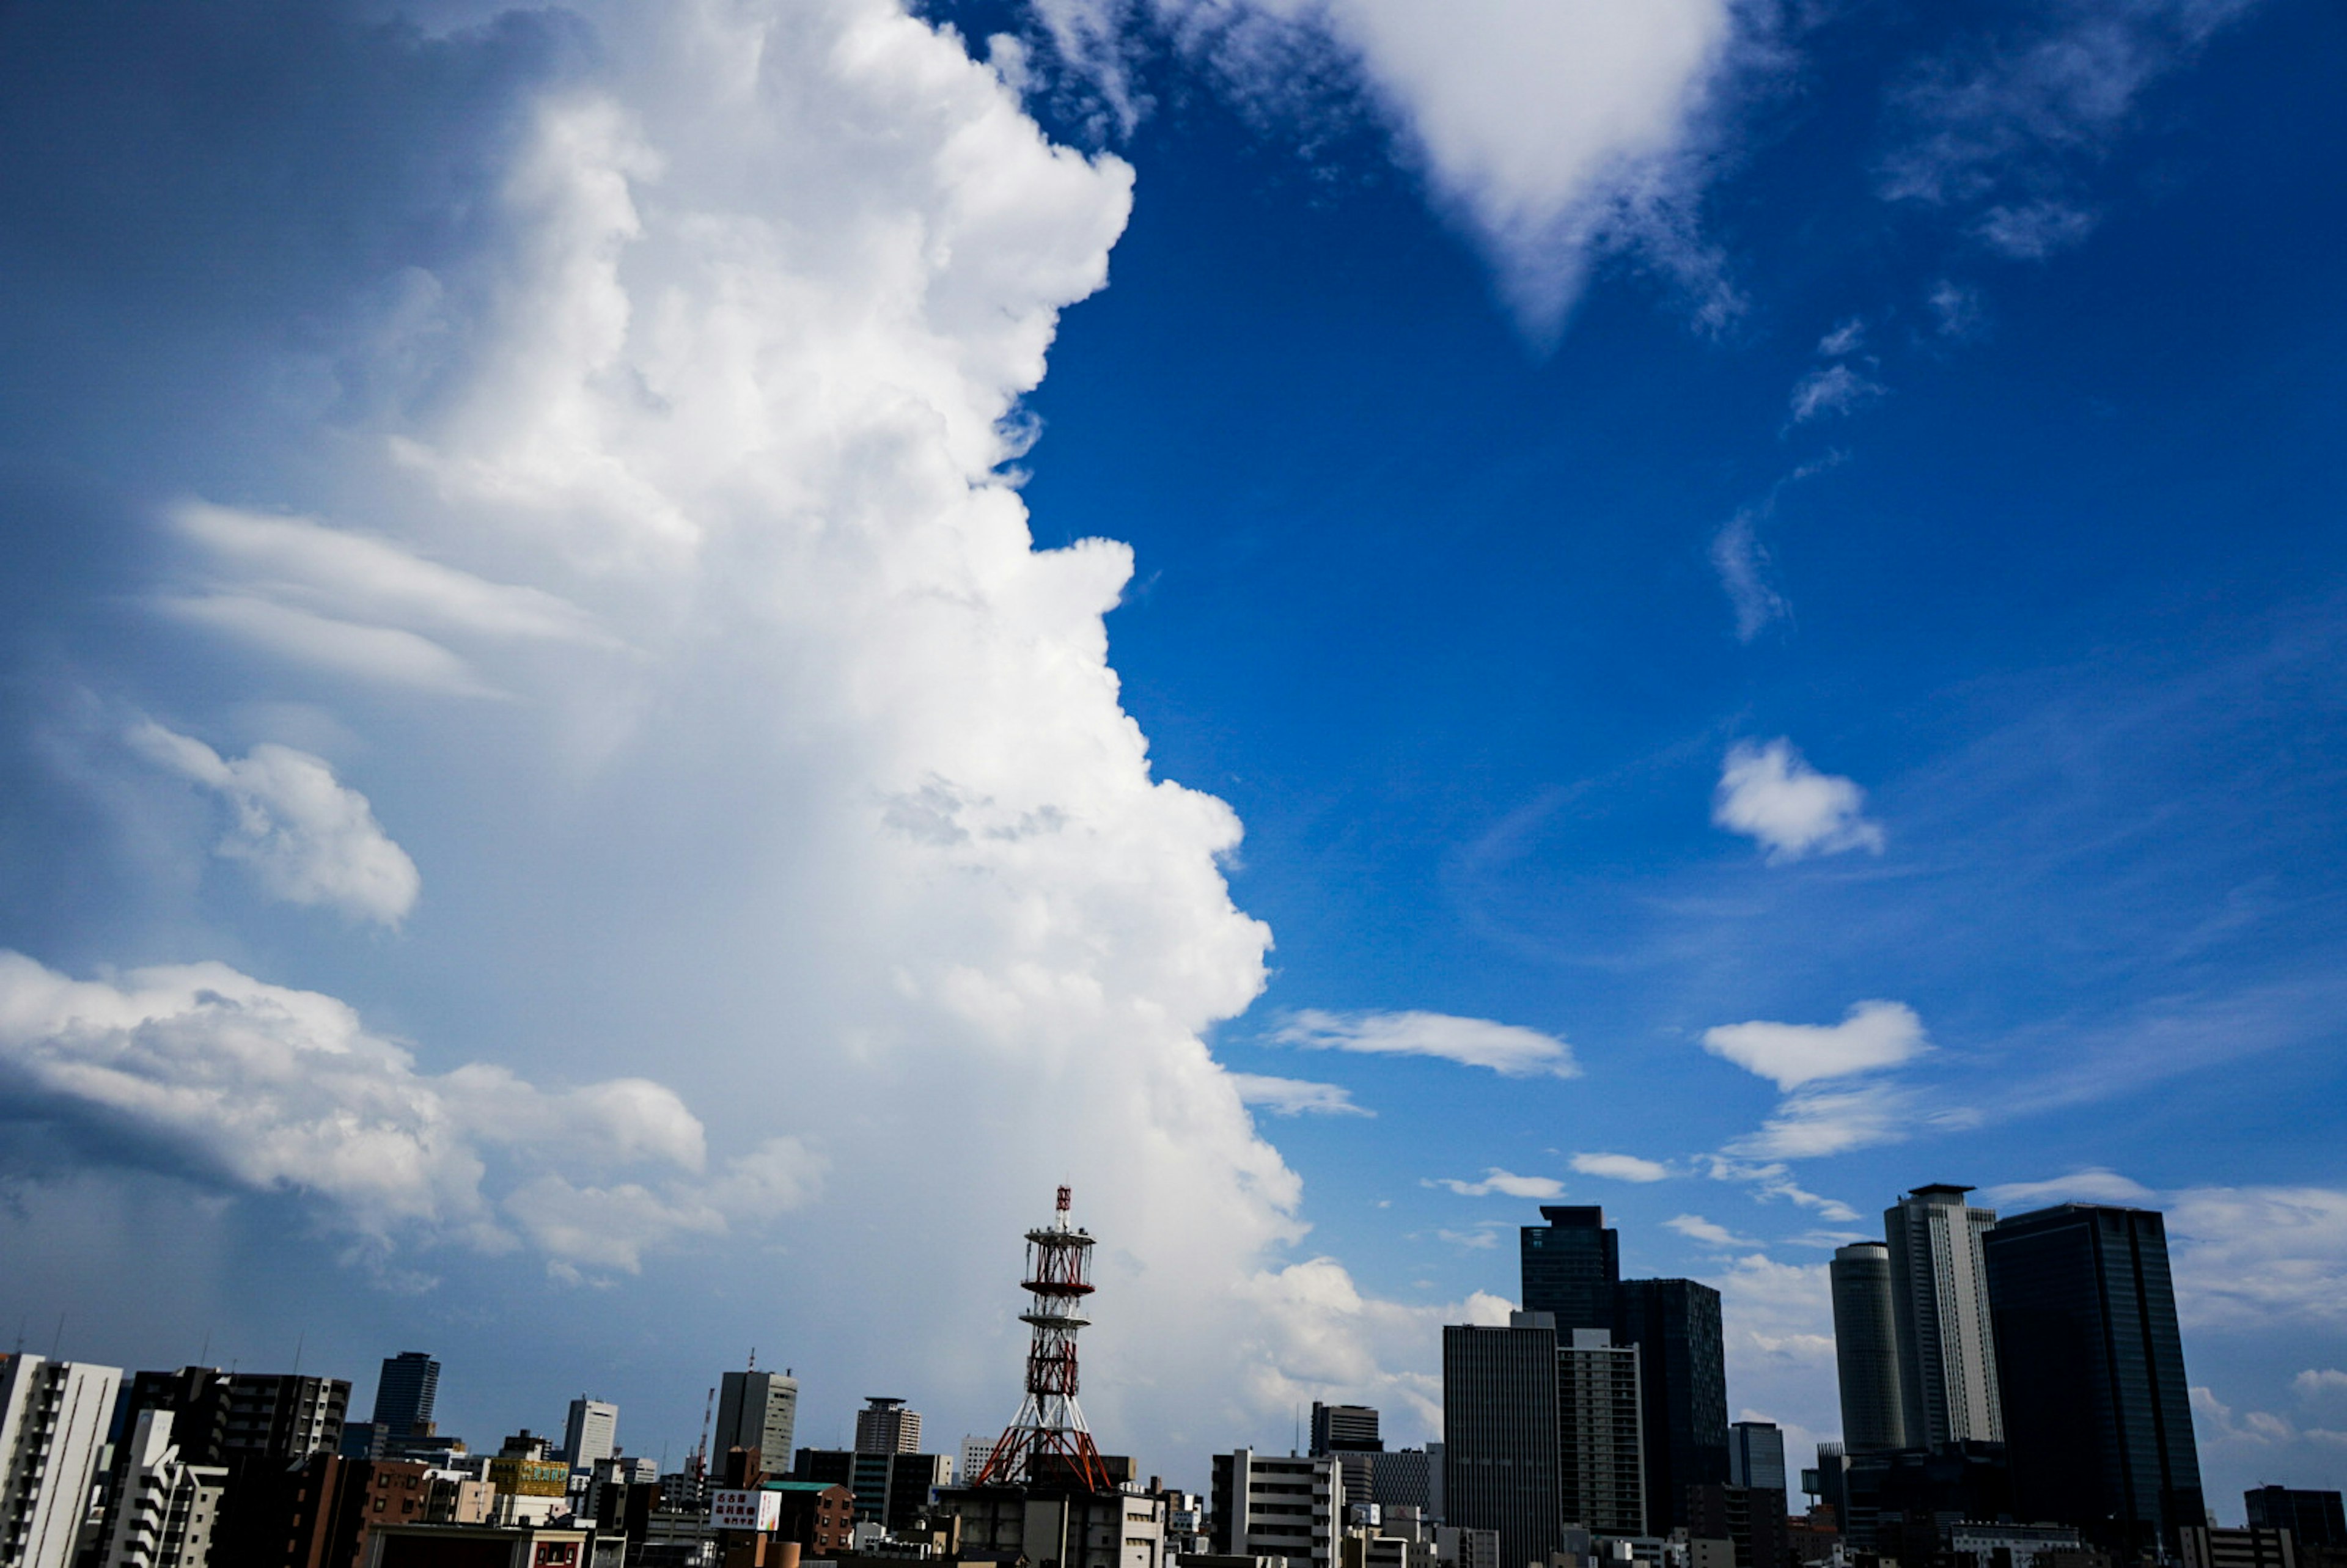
(1048,1440)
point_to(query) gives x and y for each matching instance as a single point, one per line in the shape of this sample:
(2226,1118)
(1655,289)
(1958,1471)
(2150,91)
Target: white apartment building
(165,1515)
(52,1422)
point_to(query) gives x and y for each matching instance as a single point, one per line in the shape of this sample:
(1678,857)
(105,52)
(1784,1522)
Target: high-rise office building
(2098,1415)
(886,1426)
(404,1392)
(1343,1429)
(1570,1266)
(1601,1463)
(1939,1298)
(52,1422)
(1866,1350)
(590,1432)
(757,1411)
(1500,1434)
(1756,1456)
(2314,1518)
(1406,1478)
(1682,1382)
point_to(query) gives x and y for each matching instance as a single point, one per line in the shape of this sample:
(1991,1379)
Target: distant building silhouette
(884,1426)
(2314,1518)
(757,1411)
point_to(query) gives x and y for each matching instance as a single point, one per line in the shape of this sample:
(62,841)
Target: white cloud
(1506,1048)
(2259,1256)
(2092,1185)
(256,1087)
(2033,109)
(1847,338)
(1778,1323)
(1695,1227)
(306,838)
(1831,389)
(1506,1182)
(1956,311)
(2034,230)
(1774,1180)
(1742,562)
(1621,1167)
(2326,1383)
(1874,1035)
(1812,1123)
(811,784)
(1552,133)
(1771,794)
(1294,1096)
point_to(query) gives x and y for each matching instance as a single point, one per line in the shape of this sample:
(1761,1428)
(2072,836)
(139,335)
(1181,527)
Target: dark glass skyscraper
(1866,1350)
(1683,1384)
(404,1394)
(1569,1267)
(2097,1419)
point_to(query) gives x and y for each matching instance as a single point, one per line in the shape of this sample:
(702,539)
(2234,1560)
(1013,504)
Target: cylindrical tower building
(1866,1350)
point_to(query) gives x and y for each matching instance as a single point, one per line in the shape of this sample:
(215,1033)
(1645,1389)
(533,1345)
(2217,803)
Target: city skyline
(658,663)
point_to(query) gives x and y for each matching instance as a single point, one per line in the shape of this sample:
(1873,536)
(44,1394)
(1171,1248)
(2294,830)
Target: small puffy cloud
(1296,1096)
(305,837)
(1504,1183)
(2033,232)
(2329,1382)
(1506,1048)
(1620,1167)
(1771,794)
(1695,1227)
(2094,1185)
(233,1082)
(1831,389)
(1874,1034)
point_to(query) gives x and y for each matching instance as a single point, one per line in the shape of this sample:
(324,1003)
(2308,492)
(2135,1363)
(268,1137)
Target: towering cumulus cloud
(648,541)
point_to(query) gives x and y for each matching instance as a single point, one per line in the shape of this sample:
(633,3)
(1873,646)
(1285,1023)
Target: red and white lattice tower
(1048,1443)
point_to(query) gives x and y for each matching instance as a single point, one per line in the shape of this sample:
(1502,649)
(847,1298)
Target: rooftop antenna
(754,1357)
(60,1339)
(303,1338)
(204,1356)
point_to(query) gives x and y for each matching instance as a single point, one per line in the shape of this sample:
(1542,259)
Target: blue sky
(1755,590)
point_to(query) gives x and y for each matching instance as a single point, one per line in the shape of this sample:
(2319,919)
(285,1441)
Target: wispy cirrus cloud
(1296,1096)
(1771,794)
(1621,1167)
(1503,1183)
(1508,1049)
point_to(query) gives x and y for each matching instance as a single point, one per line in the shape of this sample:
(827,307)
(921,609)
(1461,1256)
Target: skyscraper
(2098,1417)
(1570,1266)
(1939,1300)
(1682,1385)
(1756,1455)
(1499,1434)
(590,1432)
(404,1394)
(1600,1460)
(1866,1350)
(756,1410)
(885,1426)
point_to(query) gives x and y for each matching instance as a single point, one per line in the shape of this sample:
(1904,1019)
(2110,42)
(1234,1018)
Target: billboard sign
(758,1509)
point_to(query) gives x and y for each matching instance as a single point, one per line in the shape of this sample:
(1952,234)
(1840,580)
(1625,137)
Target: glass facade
(1683,1386)
(2098,1421)
(1500,1457)
(1569,1267)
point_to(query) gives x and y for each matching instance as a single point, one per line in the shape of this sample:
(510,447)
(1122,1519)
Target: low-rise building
(479,1546)
(1265,1506)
